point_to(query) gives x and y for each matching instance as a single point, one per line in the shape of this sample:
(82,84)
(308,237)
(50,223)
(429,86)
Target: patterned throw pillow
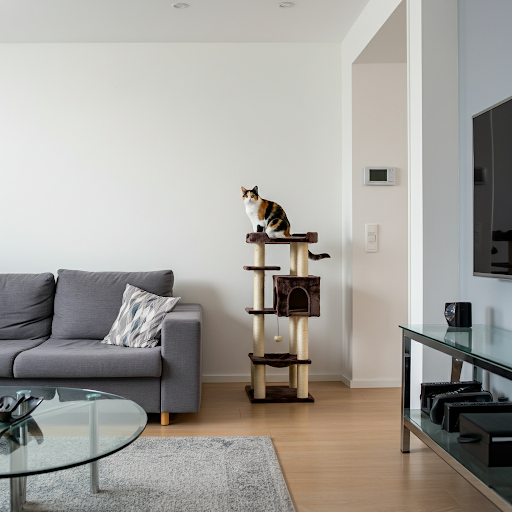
(140,318)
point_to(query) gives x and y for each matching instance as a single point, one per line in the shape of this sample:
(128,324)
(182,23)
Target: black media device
(492,191)
(437,409)
(429,391)
(458,314)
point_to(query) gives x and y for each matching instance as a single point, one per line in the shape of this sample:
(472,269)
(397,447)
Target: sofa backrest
(87,303)
(26,305)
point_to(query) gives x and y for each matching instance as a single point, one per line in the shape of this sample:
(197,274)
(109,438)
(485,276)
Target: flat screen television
(492,191)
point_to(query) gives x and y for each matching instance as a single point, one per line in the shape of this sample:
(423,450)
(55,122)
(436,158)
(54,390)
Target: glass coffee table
(71,427)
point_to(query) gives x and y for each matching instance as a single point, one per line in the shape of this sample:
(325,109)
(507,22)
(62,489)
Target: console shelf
(485,348)
(445,444)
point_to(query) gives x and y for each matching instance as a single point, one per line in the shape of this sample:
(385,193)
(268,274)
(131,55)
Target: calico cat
(269,217)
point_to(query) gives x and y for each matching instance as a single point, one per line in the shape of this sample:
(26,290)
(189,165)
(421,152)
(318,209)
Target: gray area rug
(171,474)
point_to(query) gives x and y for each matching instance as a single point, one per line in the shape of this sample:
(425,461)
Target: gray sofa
(51,332)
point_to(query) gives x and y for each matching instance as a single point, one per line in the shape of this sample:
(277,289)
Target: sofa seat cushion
(9,349)
(61,358)
(87,303)
(26,305)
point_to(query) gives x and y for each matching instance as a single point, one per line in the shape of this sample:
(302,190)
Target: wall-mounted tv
(492,191)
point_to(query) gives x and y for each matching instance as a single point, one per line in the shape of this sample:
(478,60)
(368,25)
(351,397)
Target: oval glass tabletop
(69,428)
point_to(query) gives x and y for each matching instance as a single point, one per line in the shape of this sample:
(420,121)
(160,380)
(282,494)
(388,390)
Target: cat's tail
(317,257)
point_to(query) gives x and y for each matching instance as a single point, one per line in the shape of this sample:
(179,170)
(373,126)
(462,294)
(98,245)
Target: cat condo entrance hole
(298,301)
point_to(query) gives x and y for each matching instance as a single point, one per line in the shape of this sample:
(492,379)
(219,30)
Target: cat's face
(250,196)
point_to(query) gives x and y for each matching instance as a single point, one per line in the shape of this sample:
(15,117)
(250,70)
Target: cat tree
(296,296)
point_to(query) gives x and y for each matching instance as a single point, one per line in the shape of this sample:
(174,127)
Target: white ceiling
(205,21)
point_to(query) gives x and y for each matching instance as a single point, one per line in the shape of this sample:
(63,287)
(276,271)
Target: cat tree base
(296,296)
(277,395)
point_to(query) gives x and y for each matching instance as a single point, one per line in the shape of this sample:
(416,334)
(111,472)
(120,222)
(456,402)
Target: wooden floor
(340,453)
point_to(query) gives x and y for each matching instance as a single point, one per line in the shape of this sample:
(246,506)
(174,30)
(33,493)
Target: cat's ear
(244,190)
(255,190)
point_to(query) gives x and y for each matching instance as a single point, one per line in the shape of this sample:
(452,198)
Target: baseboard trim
(271,378)
(345,381)
(371,383)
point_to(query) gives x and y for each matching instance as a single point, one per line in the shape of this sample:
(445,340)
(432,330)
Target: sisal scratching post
(302,327)
(302,353)
(302,259)
(293,259)
(292,334)
(292,323)
(258,326)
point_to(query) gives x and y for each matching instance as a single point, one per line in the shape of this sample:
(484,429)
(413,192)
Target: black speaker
(458,314)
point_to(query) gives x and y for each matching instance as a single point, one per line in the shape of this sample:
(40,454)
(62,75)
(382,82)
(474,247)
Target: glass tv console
(488,350)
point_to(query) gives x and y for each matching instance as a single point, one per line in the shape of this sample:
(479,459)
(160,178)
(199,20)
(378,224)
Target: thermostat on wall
(379,175)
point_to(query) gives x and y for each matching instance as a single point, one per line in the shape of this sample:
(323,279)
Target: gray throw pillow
(140,318)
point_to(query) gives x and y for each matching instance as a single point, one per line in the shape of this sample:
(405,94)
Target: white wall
(485,40)
(433,136)
(380,280)
(433,162)
(485,79)
(131,157)
(365,28)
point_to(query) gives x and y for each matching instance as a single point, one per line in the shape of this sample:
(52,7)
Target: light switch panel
(371,234)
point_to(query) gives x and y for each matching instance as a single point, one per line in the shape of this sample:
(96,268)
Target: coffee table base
(17,495)
(19,465)
(19,487)
(95,477)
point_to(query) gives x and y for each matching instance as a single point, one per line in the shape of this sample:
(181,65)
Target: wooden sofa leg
(164,418)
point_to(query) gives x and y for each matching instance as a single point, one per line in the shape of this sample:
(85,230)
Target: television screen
(492,191)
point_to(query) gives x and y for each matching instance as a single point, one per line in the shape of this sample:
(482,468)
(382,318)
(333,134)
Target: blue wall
(485,78)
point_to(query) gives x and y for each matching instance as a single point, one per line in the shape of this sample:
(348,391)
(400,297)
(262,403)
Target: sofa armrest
(181,359)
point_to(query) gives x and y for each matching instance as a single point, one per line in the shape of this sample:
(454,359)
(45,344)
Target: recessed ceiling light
(286,4)
(180,6)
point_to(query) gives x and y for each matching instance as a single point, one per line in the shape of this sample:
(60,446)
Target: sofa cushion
(26,305)
(87,303)
(9,349)
(61,358)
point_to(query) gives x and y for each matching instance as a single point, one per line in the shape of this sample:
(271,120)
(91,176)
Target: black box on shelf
(488,436)
(430,389)
(452,411)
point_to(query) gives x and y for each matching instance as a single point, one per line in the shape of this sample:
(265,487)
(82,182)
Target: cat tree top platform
(263,238)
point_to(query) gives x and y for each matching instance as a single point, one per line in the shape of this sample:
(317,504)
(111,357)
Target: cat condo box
(488,436)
